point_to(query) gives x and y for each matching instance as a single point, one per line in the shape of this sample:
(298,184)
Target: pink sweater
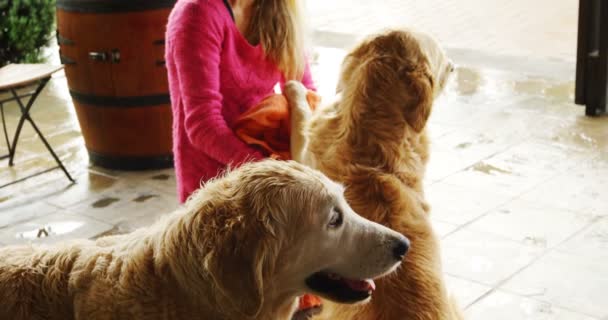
(215,75)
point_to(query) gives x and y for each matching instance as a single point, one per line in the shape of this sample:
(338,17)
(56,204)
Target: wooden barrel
(113,51)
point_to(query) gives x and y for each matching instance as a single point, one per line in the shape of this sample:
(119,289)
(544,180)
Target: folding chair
(19,76)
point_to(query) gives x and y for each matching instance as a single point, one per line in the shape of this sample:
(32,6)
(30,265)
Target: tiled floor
(542,28)
(517,178)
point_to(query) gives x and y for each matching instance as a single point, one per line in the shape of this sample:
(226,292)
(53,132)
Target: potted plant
(26,27)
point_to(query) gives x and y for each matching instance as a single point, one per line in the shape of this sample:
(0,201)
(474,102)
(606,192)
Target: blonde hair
(278,26)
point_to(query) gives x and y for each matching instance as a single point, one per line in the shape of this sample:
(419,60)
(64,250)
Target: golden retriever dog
(373,141)
(245,246)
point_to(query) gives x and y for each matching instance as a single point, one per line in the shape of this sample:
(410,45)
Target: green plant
(25,29)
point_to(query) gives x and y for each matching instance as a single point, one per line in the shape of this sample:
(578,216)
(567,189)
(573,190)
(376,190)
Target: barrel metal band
(61,40)
(111,6)
(66,60)
(121,102)
(131,162)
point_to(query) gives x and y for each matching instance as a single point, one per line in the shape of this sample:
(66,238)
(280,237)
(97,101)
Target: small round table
(17,76)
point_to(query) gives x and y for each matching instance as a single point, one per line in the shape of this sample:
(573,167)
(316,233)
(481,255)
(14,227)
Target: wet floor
(541,28)
(517,178)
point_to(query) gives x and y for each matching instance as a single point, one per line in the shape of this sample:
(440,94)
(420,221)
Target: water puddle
(112,232)
(468,81)
(162,177)
(98,182)
(536,241)
(478,141)
(102,203)
(488,168)
(144,198)
(4,199)
(52,229)
(464,145)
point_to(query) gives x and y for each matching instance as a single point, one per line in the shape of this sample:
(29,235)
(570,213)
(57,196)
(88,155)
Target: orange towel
(267,124)
(308,301)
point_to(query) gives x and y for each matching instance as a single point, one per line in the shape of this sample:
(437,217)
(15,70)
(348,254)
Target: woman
(223,57)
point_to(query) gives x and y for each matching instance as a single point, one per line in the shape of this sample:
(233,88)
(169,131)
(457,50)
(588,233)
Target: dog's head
(277,229)
(399,69)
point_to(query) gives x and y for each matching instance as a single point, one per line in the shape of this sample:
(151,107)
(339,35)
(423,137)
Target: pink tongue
(361,285)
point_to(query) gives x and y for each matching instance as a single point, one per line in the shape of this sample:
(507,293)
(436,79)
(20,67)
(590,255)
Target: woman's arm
(194,40)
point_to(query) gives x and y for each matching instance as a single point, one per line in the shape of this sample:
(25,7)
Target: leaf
(26,26)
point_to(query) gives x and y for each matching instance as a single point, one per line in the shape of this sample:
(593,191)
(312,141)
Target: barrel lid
(112,6)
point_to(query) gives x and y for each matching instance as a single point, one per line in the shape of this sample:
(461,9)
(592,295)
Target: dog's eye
(336,218)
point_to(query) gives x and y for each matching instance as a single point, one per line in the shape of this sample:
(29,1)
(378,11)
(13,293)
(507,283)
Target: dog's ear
(236,267)
(410,88)
(420,101)
(339,86)
(344,73)
(398,72)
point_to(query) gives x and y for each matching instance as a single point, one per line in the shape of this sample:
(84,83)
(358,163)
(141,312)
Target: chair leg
(25,110)
(8,143)
(48,146)
(25,115)
(13,146)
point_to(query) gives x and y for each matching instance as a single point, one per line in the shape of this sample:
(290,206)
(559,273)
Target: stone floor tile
(580,192)
(502,183)
(124,203)
(44,185)
(437,130)
(57,227)
(104,206)
(500,305)
(161,180)
(60,140)
(567,281)
(443,164)
(470,146)
(591,243)
(10,215)
(459,205)
(483,257)
(543,29)
(464,291)
(143,210)
(88,186)
(442,228)
(533,158)
(531,224)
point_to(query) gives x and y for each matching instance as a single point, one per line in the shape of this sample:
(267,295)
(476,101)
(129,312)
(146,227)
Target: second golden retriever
(243,247)
(373,141)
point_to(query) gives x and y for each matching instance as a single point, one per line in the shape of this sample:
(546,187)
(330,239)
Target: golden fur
(373,141)
(240,248)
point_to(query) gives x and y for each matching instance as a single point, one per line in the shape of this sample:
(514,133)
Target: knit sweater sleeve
(195,35)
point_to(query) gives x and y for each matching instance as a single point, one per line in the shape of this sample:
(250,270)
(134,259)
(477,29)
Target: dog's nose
(401,248)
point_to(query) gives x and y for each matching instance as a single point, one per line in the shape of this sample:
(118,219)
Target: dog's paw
(295,91)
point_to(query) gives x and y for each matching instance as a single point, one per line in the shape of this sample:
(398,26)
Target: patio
(517,176)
